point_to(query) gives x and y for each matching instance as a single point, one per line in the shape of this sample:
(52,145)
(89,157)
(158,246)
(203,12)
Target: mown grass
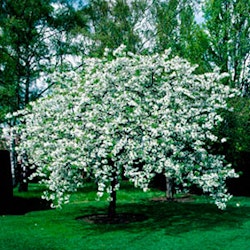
(191,225)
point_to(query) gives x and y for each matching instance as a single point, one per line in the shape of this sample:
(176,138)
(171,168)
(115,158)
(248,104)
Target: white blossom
(133,115)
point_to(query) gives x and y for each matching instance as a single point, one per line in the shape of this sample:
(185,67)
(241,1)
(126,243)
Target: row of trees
(38,38)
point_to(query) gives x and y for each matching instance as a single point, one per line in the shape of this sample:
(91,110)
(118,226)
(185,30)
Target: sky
(199,17)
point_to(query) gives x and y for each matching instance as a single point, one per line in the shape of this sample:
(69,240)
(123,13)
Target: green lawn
(190,225)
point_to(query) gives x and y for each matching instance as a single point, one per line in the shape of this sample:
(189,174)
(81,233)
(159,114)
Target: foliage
(146,27)
(23,50)
(176,28)
(236,128)
(113,23)
(228,23)
(240,125)
(35,38)
(33,41)
(128,115)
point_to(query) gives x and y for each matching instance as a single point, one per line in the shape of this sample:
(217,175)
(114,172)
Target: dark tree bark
(6,189)
(169,189)
(24,174)
(112,203)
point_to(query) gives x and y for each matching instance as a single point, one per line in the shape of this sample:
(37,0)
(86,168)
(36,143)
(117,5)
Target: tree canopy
(128,115)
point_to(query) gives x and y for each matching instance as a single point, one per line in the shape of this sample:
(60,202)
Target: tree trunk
(23,181)
(14,165)
(112,203)
(6,189)
(169,189)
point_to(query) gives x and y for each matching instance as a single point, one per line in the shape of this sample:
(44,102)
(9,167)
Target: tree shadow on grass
(179,218)
(21,206)
(176,218)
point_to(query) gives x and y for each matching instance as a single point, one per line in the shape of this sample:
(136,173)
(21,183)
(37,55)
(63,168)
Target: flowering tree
(128,115)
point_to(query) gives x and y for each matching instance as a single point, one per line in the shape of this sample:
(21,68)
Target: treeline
(40,37)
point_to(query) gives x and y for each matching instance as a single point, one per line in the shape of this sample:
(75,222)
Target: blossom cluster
(128,115)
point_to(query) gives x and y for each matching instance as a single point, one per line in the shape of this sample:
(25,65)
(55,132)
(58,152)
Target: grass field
(196,224)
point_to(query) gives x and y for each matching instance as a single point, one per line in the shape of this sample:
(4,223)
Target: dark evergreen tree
(34,39)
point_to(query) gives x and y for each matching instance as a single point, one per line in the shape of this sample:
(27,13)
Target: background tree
(113,23)
(237,148)
(110,24)
(66,28)
(34,41)
(23,46)
(23,55)
(176,28)
(228,27)
(131,116)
